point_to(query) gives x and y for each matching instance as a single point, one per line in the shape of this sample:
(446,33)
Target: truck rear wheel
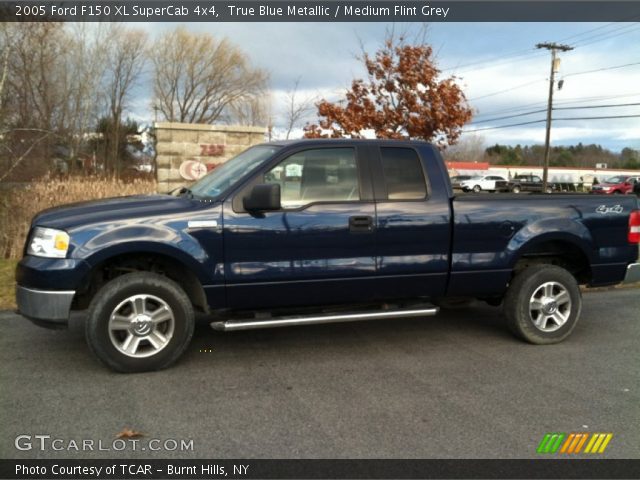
(139,322)
(543,304)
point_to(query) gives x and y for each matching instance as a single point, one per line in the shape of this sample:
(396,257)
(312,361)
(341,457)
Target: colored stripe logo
(574,443)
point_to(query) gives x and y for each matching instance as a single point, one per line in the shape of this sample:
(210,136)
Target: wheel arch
(108,265)
(570,250)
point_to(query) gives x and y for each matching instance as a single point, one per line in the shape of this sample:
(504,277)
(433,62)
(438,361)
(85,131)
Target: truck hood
(67,217)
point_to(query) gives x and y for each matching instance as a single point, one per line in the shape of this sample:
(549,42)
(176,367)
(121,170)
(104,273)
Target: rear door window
(403,174)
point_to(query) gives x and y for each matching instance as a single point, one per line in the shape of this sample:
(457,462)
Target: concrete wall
(210,145)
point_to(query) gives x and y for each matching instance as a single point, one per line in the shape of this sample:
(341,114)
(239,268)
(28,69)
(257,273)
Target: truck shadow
(474,324)
(457,328)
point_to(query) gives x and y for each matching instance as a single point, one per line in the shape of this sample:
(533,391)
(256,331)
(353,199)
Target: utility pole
(554,47)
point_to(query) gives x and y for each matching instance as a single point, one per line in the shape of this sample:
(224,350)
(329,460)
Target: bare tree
(5,67)
(297,108)
(6,47)
(125,64)
(32,92)
(197,78)
(52,76)
(86,65)
(35,76)
(470,148)
(255,110)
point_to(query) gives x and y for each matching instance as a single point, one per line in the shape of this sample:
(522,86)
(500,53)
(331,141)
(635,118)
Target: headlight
(48,242)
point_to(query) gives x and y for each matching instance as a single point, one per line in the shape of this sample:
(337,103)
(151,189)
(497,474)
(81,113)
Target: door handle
(361,224)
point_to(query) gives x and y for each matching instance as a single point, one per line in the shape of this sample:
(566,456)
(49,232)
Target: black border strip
(323,11)
(338,469)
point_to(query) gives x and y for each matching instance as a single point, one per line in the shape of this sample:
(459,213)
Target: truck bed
(492,233)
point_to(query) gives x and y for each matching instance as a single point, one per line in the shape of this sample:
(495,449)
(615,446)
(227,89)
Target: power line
(607,35)
(490,63)
(599,118)
(614,67)
(511,109)
(601,27)
(514,54)
(566,101)
(528,54)
(500,92)
(565,39)
(598,106)
(604,117)
(503,126)
(509,116)
(494,119)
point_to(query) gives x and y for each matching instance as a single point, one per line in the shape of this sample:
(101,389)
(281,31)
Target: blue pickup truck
(317,231)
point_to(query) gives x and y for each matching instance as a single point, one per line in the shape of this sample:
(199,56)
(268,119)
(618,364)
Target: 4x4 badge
(603,209)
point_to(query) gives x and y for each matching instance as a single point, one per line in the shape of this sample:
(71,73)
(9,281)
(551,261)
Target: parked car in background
(617,185)
(528,183)
(458,179)
(490,183)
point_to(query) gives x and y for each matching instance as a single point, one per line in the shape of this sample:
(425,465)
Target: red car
(617,185)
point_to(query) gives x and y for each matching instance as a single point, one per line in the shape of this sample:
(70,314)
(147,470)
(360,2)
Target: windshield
(617,180)
(226,175)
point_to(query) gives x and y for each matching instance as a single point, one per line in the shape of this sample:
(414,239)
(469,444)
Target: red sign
(211,150)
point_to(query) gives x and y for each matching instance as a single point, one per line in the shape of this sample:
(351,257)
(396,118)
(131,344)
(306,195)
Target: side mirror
(262,198)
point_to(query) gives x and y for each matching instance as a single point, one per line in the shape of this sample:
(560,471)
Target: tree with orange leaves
(401,99)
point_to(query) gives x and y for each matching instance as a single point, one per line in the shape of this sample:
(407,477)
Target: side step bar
(249,324)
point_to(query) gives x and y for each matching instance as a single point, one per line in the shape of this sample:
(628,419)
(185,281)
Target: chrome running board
(250,324)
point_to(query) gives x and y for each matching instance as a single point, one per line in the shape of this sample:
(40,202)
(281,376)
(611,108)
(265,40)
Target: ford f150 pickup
(317,231)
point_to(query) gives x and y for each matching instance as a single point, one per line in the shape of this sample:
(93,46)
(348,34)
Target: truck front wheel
(139,322)
(543,304)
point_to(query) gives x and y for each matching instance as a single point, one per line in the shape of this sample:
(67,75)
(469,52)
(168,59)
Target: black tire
(549,190)
(151,289)
(477,188)
(520,305)
(515,189)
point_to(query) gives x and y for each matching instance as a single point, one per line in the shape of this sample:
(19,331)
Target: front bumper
(633,273)
(45,307)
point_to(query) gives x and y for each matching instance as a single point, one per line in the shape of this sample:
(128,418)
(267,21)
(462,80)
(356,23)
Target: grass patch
(18,205)
(7,284)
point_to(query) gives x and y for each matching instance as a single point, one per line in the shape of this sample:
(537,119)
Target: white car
(491,183)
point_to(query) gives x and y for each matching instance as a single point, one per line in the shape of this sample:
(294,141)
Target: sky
(497,65)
